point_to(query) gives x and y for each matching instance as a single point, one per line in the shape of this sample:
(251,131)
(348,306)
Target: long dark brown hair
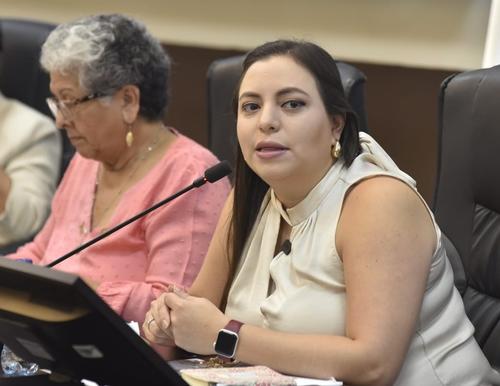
(249,188)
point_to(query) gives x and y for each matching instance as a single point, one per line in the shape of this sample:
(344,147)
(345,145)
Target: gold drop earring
(129,137)
(336,150)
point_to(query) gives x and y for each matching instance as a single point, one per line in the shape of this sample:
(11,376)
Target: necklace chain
(141,156)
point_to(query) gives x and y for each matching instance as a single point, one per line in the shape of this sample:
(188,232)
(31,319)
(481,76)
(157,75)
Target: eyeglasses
(65,107)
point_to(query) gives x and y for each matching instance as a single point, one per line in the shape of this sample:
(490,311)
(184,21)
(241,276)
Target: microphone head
(218,171)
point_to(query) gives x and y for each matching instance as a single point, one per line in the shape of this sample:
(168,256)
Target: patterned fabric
(134,265)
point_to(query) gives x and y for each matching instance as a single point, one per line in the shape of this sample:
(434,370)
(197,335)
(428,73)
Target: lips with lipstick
(270,149)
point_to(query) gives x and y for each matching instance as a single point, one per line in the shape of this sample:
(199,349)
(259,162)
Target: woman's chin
(274,177)
(84,151)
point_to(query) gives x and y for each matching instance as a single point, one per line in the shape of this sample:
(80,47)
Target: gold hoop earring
(336,150)
(129,137)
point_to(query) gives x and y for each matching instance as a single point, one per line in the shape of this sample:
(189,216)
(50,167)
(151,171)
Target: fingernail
(177,289)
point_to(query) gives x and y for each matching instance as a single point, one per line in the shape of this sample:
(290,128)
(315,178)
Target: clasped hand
(192,323)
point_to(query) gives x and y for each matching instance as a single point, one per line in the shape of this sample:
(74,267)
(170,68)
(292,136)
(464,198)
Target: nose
(61,120)
(269,119)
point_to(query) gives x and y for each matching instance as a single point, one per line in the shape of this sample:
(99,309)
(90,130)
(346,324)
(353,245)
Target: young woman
(326,261)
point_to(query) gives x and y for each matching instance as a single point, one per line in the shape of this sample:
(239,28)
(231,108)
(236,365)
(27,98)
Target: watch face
(225,344)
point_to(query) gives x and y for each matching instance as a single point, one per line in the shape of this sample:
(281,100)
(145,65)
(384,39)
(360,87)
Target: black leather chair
(222,77)
(21,76)
(467,196)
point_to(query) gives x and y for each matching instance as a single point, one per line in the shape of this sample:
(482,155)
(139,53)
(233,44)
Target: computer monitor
(54,319)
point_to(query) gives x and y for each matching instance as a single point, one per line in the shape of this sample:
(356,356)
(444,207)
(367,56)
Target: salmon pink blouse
(135,264)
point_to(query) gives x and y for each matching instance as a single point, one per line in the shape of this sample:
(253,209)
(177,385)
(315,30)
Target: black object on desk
(54,319)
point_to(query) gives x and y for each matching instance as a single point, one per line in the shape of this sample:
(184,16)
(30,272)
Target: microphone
(286,247)
(211,175)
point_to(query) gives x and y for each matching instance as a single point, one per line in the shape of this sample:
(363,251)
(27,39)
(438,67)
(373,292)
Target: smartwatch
(227,340)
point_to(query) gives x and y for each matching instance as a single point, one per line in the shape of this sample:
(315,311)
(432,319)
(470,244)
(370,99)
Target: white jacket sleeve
(30,154)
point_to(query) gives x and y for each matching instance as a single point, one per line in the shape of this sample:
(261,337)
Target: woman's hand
(156,326)
(193,321)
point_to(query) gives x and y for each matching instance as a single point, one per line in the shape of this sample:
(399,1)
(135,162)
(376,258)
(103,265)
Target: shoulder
(381,207)
(382,196)
(29,116)
(24,123)
(183,162)
(379,190)
(187,157)
(185,144)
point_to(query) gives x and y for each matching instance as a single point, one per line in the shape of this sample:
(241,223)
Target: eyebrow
(62,91)
(283,91)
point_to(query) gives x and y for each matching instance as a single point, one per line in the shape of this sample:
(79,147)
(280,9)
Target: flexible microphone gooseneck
(211,175)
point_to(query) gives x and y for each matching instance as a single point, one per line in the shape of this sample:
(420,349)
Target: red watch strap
(234,326)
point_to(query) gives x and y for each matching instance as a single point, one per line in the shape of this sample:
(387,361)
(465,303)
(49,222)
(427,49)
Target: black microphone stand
(211,175)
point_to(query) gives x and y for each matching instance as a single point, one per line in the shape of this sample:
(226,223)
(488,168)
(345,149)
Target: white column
(491,54)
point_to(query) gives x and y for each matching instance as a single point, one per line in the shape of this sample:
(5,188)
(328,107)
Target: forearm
(194,324)
(316,356)
(129,299)
(35,250)
(4,189)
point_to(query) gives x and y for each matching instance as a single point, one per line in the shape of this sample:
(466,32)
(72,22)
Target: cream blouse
(304,291)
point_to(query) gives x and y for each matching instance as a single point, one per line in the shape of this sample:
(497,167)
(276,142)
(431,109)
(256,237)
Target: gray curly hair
(107,52)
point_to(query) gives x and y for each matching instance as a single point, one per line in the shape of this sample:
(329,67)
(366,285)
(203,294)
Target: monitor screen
(54,319)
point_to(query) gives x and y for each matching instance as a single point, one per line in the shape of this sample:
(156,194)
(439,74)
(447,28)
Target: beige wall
(440,34)
(406,48)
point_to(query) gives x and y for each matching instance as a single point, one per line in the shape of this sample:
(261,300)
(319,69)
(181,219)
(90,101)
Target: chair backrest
(467,196)
(21,76)
(222,78)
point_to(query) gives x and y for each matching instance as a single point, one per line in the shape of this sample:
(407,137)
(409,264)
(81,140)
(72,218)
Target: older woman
(337,267)
(108,77)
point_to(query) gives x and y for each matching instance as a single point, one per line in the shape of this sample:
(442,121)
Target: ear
(130,97)
(337,123)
